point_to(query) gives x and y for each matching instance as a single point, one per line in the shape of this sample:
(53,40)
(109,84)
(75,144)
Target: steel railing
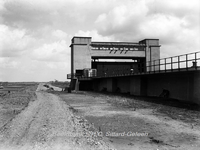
(184,62)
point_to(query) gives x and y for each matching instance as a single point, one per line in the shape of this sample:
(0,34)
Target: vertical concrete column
(138,86)
(123,84)
(152,52)
(135,85)
(196,87)
(96,85)
(111,85)
(77,85)
(80,53)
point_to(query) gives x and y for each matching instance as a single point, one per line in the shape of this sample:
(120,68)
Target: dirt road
(47,123)
(130,124)
(93,121)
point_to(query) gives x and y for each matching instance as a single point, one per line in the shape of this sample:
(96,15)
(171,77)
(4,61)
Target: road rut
(47,123)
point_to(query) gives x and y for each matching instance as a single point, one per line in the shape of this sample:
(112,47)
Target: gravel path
(119,114)
(48,124)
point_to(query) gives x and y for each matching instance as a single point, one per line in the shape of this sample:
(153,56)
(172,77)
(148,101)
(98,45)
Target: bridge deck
(181,63)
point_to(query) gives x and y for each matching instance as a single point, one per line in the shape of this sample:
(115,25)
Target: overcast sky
(35,34)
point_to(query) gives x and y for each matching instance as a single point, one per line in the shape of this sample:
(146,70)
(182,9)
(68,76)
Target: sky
(35,35)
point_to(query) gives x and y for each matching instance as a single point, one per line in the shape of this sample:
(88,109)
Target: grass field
(14,102)
(14,86)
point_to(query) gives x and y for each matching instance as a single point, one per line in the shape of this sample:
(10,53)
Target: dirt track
(48,123)
(87,120)
(167,128)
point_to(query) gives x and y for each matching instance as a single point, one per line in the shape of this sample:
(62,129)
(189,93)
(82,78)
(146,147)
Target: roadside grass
(13,103)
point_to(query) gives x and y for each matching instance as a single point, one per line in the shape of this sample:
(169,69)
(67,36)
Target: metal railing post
(196,60)
(186,61)
(150,66)
(178,63)
(171,64)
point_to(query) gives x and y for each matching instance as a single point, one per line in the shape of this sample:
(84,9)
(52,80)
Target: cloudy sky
(35,35)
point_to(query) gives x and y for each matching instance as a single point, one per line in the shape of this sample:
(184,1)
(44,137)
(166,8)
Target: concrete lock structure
(134,68)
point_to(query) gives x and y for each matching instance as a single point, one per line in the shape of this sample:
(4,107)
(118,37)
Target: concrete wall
(124,84)
(183,86)
(196,88)
(135,85)
(152,51)
(82,58)
(102,83)
(86,86)
(179,85)
(81,40)
(80,55)
(110,85)
(154,55)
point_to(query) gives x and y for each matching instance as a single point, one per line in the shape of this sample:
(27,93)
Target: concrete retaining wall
(180,86)
(123,84)
(183,86)
(196,88)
